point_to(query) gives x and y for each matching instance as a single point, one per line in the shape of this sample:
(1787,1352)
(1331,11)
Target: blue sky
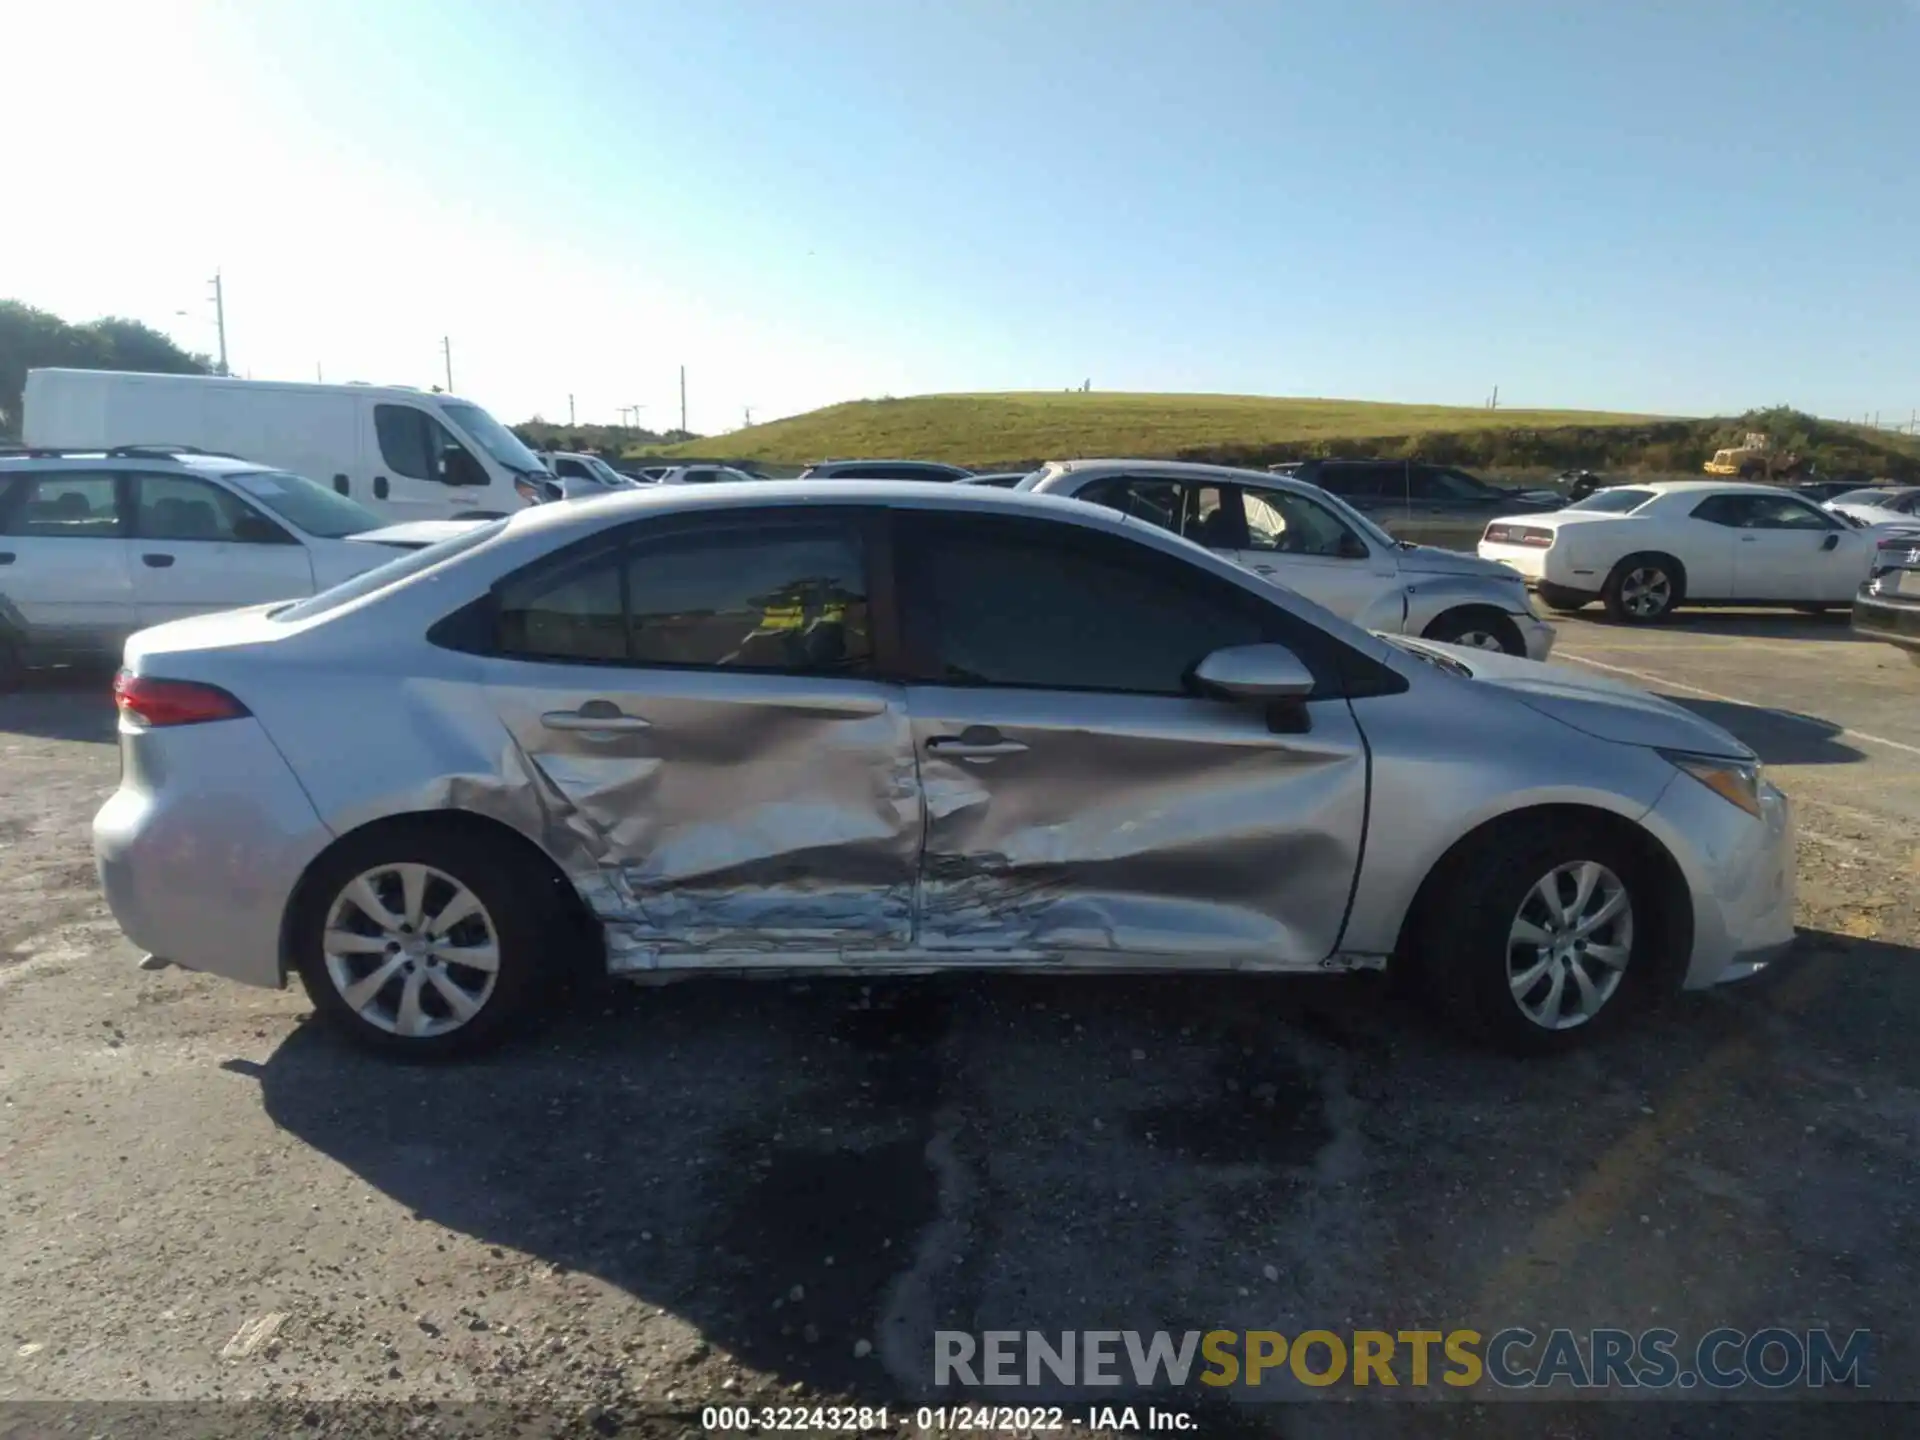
(1691,207)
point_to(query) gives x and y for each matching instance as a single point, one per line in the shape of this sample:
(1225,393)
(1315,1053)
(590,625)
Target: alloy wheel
(411,950)
(1569,944)
(1646,592)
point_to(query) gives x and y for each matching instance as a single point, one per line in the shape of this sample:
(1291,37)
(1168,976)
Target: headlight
(1735,781)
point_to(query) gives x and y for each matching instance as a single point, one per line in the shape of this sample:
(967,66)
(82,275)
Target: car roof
(118,460)
(1162,467)
(595,512)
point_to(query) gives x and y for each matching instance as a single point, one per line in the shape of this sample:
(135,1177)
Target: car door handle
(6,557)
(592,716)
(157,561)
(974,746)
(1748,539)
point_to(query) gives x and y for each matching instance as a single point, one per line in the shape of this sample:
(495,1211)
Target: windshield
(408,563)
(1864,497)
(605,473)
(1619,501)
(305,505)
(493,437)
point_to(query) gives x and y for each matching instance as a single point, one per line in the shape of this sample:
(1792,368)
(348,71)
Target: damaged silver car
(1313,542)
(893,729)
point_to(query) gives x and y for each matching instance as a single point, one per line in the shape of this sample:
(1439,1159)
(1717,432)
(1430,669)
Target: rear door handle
(157,561)
(975,744)
(595,715)
(6,557)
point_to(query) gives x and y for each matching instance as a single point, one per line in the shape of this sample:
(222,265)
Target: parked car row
(793,728)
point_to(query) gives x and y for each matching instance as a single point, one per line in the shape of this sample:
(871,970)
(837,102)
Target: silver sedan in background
(1313,542)
(897,728)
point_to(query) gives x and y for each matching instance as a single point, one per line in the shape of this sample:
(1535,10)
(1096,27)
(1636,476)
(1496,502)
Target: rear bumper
(1881,617)
(1741,871)
(200,847)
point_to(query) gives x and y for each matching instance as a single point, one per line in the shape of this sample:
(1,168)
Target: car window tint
(792,601)
(1620,500)
(1201,513)
(1015,605)
(795,601)
(178,507)
(410,441)
(1784,512)
(72,505)
(1289,524)
(1728,510)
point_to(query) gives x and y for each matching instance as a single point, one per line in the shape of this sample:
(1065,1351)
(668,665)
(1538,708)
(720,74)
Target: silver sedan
(895,728)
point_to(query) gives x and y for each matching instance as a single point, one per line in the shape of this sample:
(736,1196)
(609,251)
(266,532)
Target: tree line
(31,339)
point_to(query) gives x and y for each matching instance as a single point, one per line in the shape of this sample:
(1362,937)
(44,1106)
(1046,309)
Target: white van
(407,454)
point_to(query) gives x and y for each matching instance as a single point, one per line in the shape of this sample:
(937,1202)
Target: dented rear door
(728,780)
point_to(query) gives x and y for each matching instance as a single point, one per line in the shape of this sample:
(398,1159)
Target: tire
(13,665)
(1563,602)
(1474,958)
(1643,589)
(513,908)
(1478,628)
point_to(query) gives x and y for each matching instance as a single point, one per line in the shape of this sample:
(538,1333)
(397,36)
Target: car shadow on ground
(1778,737)
(63,703)
(796,1169)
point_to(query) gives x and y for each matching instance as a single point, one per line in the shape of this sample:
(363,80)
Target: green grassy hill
(1014,428)
(1020,429)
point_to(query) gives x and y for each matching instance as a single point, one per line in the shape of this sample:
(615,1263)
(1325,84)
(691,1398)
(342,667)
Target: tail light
(1535,536)
(156,703)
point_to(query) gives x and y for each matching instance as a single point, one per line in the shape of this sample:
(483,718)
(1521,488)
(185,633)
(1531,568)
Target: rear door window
(788,599)
(64,505)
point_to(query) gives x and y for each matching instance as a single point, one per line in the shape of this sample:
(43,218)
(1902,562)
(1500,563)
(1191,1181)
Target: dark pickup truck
(1888,605)
(1425,503)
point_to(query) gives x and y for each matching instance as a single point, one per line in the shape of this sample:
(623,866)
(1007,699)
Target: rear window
(305,504)
(407,565)
(1621,500)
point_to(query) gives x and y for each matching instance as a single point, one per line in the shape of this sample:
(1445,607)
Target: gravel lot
(723,1191)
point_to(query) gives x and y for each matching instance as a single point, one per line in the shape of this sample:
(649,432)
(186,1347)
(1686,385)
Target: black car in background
(884,470)
(1425,503)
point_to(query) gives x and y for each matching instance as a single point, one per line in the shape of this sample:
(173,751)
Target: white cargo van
(408,454)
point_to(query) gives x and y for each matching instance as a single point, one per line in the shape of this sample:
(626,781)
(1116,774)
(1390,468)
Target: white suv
(96,544)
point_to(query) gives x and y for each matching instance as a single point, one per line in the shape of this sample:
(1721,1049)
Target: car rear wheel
(424,942)
(1642,589)
(1540,936)
(1478,629)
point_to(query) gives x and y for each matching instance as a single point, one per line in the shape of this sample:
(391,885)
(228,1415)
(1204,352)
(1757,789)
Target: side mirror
(1255,672)
(1352,547)
(1833,539)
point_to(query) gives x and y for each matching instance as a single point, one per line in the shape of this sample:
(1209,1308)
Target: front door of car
(1083,802)
(64,582)
(1783,548)
(706,740)
(197,547)
(1299,543)
(410,478)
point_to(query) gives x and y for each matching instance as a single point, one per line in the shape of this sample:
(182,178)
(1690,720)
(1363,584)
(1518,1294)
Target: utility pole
(749,414)
(220,319)
(683,399)
(569,409)
(1494,403)
(318,377)
(446,350)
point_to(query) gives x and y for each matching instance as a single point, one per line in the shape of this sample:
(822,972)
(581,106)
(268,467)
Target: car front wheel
(1540,936)
(423,944)
(1478,630)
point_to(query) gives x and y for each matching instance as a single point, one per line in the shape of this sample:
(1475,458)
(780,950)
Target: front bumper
(1884,618)
(1741,872)
(1538,634)
(200,847)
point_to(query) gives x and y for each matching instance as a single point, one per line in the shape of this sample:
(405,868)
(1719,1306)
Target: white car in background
(1880,505)
(95,545)
(1642,550)
(581,476)
(1297,535)
(703,475)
